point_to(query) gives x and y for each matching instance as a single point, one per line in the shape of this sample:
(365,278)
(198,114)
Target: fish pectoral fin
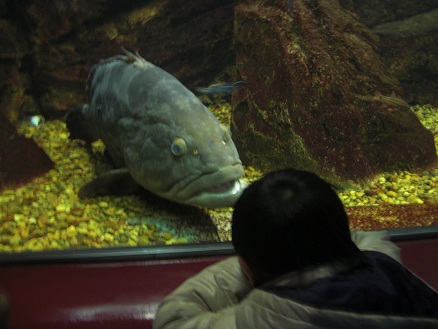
(114,182)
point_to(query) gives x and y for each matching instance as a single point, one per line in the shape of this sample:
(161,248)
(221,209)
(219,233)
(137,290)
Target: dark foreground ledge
(122,287)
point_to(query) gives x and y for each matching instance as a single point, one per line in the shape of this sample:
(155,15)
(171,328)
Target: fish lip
(215,189)
(210,198)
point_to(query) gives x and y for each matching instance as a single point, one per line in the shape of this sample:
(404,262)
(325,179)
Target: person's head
(291,220)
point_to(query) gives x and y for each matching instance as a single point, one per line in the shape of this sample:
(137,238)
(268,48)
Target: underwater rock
(376,12)
(21,159)
(190,39)
(13,82)
(311,68)
(409,48)
(408,32)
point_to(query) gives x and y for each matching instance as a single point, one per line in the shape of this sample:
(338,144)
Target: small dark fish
(391,102)
(221,88)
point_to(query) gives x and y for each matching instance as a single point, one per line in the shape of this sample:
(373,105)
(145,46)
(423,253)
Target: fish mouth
(232,187)
(217,189)
(219,196)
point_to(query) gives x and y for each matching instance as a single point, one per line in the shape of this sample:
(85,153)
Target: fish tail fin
(75,124)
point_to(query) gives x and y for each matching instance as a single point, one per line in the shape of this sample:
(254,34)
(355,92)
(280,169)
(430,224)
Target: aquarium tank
(138,123)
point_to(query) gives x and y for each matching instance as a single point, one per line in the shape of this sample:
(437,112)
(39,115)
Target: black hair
(291,220)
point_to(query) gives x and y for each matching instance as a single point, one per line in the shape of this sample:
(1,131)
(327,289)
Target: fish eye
(226,133)
(178,147)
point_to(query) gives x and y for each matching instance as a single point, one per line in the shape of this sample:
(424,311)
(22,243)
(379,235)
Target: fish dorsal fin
(377,93)
(376,96)
(128,57)
(135,59)
(110,60)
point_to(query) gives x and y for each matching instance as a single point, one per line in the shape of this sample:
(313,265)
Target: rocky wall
(49,46)
(312,68)
(408,33)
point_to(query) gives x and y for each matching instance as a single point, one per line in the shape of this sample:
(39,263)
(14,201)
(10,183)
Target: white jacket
(221,297)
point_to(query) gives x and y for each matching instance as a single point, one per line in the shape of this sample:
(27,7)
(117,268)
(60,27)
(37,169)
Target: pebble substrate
(47,213)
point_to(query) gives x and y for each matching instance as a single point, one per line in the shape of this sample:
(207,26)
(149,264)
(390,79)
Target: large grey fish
(158,134)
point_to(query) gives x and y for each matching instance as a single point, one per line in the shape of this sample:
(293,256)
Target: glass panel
(39,204)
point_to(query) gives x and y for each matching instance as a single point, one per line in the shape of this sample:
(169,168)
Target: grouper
(158,134)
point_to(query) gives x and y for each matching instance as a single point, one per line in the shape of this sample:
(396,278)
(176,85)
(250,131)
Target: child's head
(291,220)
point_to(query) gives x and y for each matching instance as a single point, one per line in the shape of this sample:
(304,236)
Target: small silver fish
(221,88)
(391,102)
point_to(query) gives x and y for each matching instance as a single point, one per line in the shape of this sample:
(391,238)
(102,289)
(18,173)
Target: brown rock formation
(310,68)
(21,159)
(408,32)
